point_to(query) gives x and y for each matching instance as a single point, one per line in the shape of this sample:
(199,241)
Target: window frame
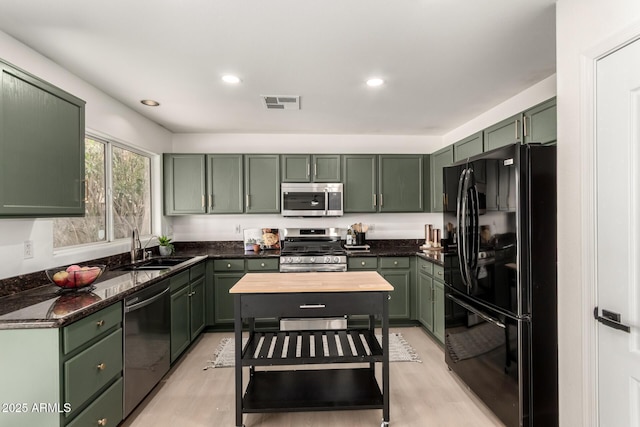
(110,239)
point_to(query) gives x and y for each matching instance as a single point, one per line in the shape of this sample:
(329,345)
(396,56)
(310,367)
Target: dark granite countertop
(44,306)
(49,307)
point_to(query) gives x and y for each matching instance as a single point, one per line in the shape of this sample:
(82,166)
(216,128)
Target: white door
(618,235)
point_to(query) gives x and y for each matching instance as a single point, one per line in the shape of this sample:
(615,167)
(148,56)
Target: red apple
(73,267)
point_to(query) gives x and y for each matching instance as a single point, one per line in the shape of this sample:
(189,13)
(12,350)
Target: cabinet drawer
(312,304)
(92,369)
(362,263)
(197,271)
(425,266)
(106,410)
(262,264)
(84,330)
(394,262)
(179,280)
(438,272)
(228,265)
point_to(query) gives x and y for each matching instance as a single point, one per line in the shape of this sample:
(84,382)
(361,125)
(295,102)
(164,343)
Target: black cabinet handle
(610,319)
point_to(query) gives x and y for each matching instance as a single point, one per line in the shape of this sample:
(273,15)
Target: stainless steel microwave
(311,199)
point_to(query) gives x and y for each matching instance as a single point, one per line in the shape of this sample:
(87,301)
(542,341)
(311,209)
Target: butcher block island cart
(311,296)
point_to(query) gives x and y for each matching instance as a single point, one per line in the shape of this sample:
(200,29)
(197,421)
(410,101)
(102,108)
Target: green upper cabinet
(439,159)
(540,123)
(310,168)
(262,183)
(224,183)
(326,167)
(359,172)
(468,147)
(400,183)
(506,132)
(41,148)
(184,184)
(296,167)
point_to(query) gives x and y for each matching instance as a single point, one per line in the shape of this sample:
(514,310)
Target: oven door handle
(146,302)
(482,315)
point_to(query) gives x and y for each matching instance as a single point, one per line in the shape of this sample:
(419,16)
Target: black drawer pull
(313,306)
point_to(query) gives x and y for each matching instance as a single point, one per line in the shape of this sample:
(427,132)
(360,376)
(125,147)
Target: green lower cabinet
(397,271)
(106,410)
(224,300)
(197,306)
(425,298)
(431,297)
(438,310)
(180,322)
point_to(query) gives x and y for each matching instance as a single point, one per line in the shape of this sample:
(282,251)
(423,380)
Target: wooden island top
(348,281)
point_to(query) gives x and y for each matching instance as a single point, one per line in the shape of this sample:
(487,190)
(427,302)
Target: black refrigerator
(500,272)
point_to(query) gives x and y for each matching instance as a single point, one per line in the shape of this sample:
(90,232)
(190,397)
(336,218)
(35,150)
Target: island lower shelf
(312,390)
(311,347)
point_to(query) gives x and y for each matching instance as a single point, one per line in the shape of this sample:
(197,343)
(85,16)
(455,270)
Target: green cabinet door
(439,159)
(296,167)
(399,305)
(224,183)
(184,184)
(197,306)
(180,322)
(360,182)
(326,167)
(468,147)
(41,148)
(438,310)
(541,123)
(223,299)
(400,182)
(508,131)
(210,294)
(262,183)
(425,302)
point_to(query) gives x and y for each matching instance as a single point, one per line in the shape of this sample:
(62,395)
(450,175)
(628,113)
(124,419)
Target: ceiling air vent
(281,102)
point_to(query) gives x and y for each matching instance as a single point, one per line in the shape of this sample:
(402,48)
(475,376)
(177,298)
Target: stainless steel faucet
(135,244)
(147,254)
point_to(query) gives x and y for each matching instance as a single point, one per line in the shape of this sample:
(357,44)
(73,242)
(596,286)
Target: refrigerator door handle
(482,315)
(460,224)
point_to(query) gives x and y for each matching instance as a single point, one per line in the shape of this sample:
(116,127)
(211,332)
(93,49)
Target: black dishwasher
(147,329)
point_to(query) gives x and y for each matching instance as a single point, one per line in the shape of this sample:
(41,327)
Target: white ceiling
(444,61)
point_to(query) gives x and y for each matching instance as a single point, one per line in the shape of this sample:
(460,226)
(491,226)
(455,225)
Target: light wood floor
(422,394)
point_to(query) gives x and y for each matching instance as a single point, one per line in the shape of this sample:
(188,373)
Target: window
(111,214)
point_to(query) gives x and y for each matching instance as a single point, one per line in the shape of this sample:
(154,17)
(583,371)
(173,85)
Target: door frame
(588,64)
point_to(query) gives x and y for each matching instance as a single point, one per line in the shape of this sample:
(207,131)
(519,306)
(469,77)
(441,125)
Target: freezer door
(489,352)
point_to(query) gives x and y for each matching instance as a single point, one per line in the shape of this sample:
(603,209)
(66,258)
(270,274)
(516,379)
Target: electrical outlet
(238,229)
(28,249)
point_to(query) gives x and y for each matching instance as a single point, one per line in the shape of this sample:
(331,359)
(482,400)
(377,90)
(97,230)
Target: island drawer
(425,266)
(362,263)
(264,264)
(312,304)
(92,326)
(92,369)
(228,265)
(394,262)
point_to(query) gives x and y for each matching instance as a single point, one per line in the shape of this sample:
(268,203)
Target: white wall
(581,26)
(104,116)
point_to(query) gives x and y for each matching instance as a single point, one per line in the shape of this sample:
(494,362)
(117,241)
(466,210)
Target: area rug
(399,351)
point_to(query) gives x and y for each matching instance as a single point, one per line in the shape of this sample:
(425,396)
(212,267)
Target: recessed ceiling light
(231,79)
(150,102)
(375,82)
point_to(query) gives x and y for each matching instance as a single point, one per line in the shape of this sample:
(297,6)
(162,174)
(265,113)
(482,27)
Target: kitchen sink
(154,264)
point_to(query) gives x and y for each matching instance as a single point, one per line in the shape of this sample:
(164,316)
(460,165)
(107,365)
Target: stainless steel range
(312,249)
